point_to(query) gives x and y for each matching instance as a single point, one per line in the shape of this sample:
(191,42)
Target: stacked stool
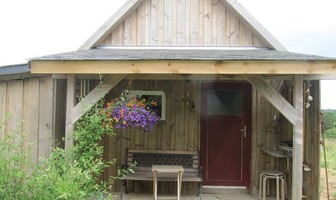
(279,176)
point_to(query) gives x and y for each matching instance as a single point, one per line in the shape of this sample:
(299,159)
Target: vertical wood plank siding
(3,98)
(30,116)
(180,130)
(14,101)
(45,117)
(26,107)
(182,23)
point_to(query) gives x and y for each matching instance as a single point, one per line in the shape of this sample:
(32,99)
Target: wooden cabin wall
(182,23)
(180,130)
(26,107)
(266,132)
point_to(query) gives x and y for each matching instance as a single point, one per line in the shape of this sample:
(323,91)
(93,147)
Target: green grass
(330,144)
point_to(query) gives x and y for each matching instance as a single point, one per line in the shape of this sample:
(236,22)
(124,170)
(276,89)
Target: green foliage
(329,118)
(329,124)
(330,133)
(70,174)
(12,173)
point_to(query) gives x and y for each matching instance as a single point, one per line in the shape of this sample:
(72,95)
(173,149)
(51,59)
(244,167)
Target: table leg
(178,186)
(179,182)
(155,185)
(277,188)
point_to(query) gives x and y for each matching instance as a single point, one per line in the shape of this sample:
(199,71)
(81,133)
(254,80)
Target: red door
(225,138)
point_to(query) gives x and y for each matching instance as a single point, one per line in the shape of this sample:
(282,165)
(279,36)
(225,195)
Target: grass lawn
(331,164)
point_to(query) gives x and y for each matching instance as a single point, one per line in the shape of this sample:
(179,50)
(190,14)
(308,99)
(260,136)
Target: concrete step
(224,190)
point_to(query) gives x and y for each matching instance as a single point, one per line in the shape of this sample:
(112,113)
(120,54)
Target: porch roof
(181,53)
(182,60)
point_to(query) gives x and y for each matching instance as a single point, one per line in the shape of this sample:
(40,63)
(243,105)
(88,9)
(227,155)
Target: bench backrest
(146,158)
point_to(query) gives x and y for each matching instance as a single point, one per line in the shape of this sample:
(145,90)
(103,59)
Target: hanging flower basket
(127,111)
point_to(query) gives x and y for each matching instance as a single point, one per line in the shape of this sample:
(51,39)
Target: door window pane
(225,102)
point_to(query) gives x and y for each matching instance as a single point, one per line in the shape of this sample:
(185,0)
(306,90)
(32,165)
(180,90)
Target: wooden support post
(94,96)
(298,139)
(75,112)
(70,103)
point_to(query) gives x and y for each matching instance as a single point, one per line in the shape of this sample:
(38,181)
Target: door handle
(244,131)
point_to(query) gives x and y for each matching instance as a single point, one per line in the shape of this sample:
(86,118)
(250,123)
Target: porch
(146,196)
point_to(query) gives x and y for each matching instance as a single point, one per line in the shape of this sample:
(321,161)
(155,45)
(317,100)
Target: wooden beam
(297,172)
(182,67)
(75,112)
(307,77)
(95,95)
(196,77)
(70,103)
(273,97)
(313,77)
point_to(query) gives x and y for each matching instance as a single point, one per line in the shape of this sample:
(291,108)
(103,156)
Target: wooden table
(170,169)
(277,154)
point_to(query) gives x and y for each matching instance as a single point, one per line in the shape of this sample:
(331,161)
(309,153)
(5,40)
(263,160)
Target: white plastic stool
(278,176)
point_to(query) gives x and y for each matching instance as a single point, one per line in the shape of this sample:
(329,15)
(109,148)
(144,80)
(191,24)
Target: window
(157,96)
(225,102)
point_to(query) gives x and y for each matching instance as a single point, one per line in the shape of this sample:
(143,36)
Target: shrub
(67,174)
(13,174)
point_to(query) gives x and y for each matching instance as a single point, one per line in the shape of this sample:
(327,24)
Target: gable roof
(112,22)
(255,25)
(182,54)
(131,5)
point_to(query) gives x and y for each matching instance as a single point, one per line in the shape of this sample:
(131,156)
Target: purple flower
(132,113)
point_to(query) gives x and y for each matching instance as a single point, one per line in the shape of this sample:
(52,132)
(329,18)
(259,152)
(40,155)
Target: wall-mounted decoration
(158,97)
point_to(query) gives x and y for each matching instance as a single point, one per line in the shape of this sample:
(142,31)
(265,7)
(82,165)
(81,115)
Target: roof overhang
(182,61)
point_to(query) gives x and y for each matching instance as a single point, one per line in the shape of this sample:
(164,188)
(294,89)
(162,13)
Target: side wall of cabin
(27,108)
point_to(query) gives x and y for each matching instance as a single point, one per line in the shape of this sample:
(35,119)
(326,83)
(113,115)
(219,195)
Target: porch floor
(147,196)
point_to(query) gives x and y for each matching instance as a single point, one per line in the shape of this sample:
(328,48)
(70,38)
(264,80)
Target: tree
(329,123)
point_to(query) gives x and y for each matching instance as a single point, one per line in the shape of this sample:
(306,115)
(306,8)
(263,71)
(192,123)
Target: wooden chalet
(200,54)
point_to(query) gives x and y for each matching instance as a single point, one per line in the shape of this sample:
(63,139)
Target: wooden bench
(144,160)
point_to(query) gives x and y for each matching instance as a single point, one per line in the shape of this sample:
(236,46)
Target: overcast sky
(32,28)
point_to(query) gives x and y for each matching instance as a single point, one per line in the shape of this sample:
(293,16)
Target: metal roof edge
(14,69)
(220,48)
